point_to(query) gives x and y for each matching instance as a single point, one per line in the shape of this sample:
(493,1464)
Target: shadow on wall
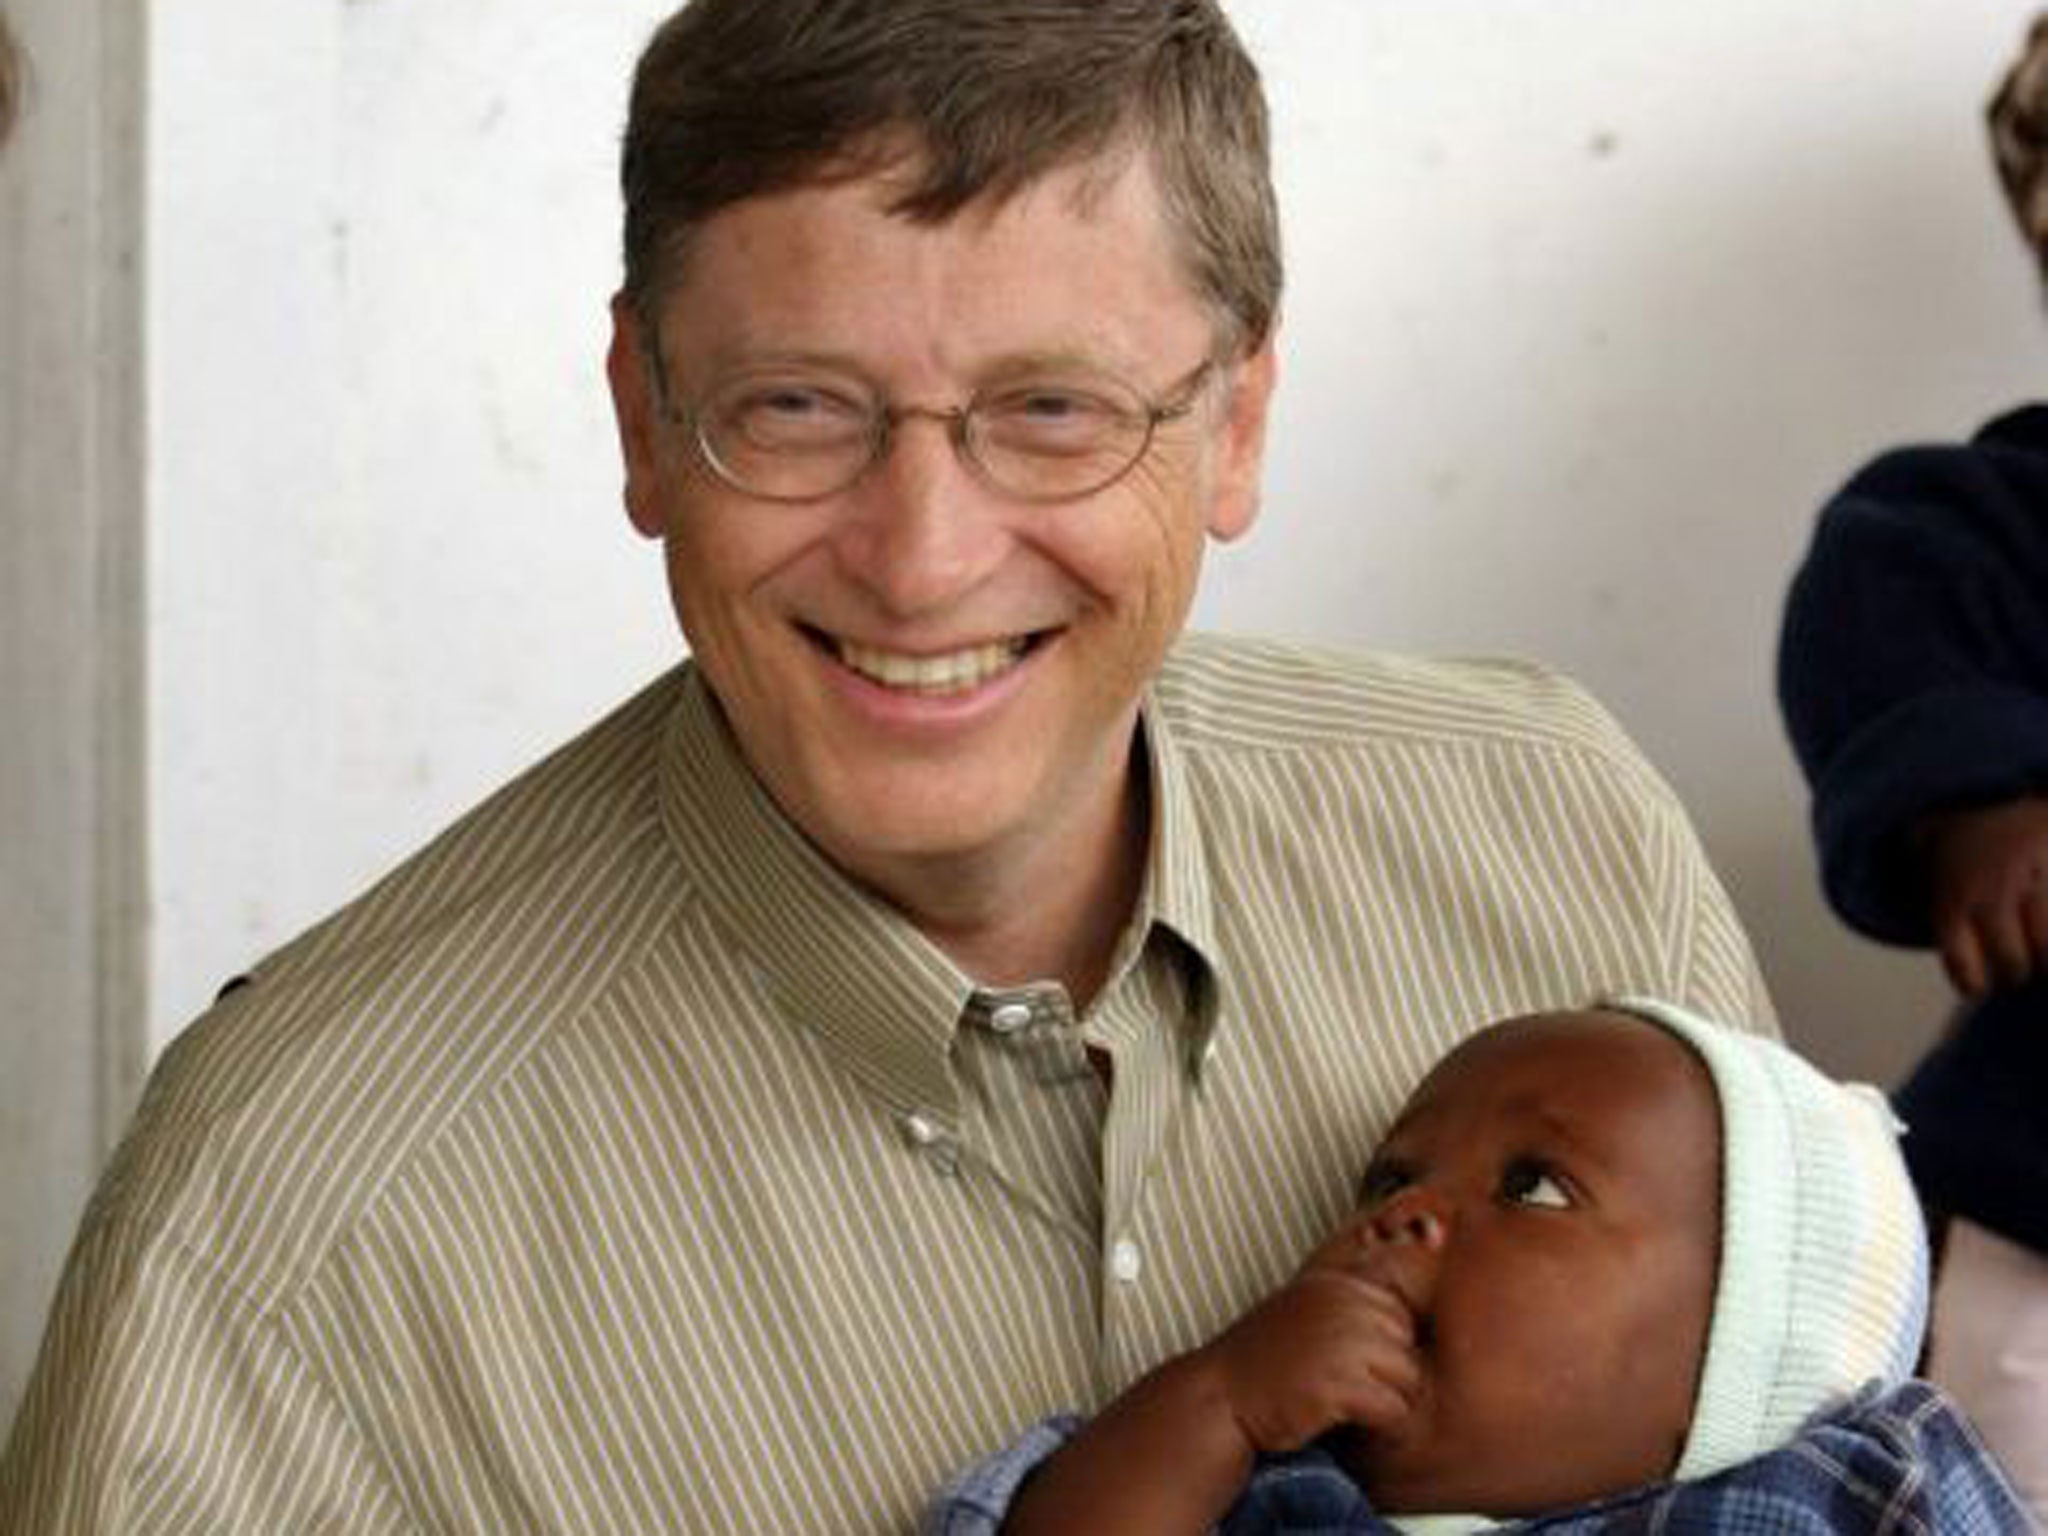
(13,79)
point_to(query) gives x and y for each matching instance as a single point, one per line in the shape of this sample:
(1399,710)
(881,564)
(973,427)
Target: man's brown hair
(978,98)
(2018,120)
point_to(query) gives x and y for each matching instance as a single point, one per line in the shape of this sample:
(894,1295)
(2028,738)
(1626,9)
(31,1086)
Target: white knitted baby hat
(1823,1278)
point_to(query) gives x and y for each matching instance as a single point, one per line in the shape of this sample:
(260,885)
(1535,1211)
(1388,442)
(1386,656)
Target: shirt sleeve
(164,1402)
(1913,662)
(1717,971)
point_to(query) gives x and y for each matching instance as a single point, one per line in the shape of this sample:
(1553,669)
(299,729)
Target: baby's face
(1548,1208)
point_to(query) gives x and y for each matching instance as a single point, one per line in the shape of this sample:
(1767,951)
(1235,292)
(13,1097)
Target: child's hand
(1330,1347)
(1988,870)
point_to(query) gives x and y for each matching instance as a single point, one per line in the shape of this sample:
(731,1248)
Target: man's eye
(1054,418)
(1049,403)
(791,401)
(1527,1182)
(783,411)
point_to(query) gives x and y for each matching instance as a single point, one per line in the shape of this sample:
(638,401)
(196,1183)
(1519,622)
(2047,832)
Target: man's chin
(901,823)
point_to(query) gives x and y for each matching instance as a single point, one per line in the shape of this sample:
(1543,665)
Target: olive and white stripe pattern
(616,1166)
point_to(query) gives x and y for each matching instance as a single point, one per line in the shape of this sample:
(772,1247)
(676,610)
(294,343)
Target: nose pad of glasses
(887,443)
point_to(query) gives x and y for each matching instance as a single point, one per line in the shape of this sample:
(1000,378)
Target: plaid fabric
(1901,1462)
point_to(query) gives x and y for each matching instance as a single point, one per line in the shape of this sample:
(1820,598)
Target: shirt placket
(1142,1027)
(1034,1106)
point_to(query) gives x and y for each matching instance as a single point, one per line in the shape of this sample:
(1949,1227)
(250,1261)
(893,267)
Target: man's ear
(1242,452)
(628,369)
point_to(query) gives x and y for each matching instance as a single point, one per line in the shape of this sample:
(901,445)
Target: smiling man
(930,530)
(950,991)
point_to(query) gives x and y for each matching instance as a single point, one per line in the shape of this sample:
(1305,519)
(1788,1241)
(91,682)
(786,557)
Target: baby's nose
(1411,1214)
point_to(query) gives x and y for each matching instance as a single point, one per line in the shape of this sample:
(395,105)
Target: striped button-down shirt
(617,1165)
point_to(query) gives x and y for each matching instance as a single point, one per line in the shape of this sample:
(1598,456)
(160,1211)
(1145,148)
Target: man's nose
(1413,1214)
(922,529)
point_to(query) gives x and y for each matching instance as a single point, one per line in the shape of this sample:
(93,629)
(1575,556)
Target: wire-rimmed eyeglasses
(796,434)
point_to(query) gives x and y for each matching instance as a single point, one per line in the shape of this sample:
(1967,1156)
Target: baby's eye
(1527,1182)
(1381,1181)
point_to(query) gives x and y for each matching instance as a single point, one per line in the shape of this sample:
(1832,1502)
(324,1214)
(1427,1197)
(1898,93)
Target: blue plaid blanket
(1902,1462)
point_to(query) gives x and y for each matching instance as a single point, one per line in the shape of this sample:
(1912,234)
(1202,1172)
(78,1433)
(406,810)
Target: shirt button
(1010,1018)
(1125,1261)
(932,1141)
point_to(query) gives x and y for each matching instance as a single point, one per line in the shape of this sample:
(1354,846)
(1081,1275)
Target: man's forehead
(1077,263)
(1116,193)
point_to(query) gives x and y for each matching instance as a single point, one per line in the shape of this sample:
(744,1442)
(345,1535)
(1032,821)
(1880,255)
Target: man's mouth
(933,675)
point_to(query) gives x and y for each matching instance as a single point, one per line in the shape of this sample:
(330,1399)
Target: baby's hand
(1330,1347)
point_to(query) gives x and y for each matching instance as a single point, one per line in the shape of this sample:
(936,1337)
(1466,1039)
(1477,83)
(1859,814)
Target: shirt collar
(1179,894)
(839,963)
(849,968)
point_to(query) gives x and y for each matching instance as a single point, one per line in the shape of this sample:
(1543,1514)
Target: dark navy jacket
(1913,667)
(1913,676)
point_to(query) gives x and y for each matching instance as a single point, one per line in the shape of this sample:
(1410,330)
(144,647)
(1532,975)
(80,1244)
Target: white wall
(1590,304)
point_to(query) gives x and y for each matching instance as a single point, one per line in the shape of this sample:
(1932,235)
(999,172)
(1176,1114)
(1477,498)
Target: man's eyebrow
(1050,360)
(743,357)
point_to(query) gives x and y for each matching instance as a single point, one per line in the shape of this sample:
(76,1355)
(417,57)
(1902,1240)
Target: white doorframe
(73,836)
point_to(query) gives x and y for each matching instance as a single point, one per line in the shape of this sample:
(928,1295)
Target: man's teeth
(954,672)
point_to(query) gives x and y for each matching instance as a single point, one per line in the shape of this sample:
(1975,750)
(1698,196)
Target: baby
(1617,1269)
